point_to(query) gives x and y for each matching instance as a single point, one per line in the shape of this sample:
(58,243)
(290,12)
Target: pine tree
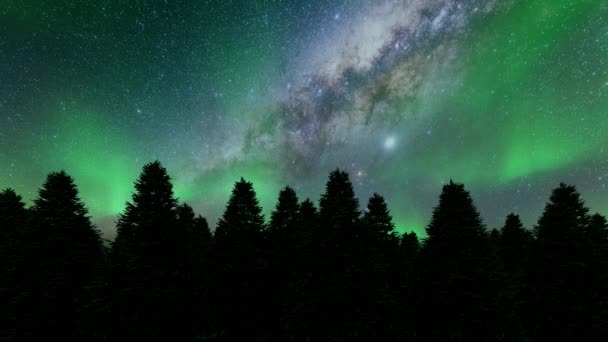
(338,207)
(338,261)
(406,277)
(378,250)
(597,242)
(285,216)
(195,268)
(513,245)
(513,251)
(378,219)
(201,228)
(13,242)
(195,229)
(410,245)
(283,253)
(301,298)
(65,253)
(597,229)
(12,226)
(309,217)
(559,276)
(456,288)
(242,218)
(241,278)
(148,260)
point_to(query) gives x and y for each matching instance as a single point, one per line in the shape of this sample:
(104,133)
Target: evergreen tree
(494,237)
(339,261)
(378,219)
(597,229)
(597,242)
(242,218)
(195,270)
(456,290)
(195,228)
(12,209)
(301,299)
(13,229)
(241,277)
(514,246)
(12,225)
(309,221)
(64,256)
(559,277)
(148,258)
(513,250)
(338,207)
(285,216)
(283,254)
(378,249)
(201,228)
(405,273)
(410,245)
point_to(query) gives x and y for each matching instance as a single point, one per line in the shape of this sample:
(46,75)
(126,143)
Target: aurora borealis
(509,97)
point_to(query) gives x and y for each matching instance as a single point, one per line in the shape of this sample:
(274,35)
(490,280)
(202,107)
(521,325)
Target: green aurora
(510,102)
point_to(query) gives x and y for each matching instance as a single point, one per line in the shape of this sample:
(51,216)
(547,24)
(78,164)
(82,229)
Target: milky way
(510,97)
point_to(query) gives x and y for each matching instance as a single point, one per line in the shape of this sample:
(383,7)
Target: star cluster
(510,97)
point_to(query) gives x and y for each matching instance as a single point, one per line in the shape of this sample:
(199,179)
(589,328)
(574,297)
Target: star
(390,142)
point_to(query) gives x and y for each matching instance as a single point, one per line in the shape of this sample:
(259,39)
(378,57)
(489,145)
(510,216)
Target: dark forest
(336,272)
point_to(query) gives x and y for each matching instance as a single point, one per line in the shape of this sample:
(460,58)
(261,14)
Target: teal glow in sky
(510,97)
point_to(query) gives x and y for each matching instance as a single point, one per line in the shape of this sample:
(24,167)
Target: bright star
(390,142)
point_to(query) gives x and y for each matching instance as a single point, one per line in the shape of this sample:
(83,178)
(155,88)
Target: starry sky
(508,96)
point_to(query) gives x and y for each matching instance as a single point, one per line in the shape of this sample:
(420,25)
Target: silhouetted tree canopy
(514,244)
(338,207)
(333,274)
(560,277)
(63,255)
(377,217)
(457,286)
(243,216)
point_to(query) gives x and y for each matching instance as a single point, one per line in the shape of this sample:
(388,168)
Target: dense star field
(509,97)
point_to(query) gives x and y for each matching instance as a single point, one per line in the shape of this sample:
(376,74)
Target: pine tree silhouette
(12,226)
(282,235)
(597,242)
(309,222)
(243,216)
(409,246)
(148,257)
(195,268)
(13,243)
(338,207)
(378,219)
(559,276)
(513,245)
(285,215)
(457,294)
(338,260)
(63,258)
(329,275)
(201,228)
(242,270)
(378,249)
(406,277)
(301,299)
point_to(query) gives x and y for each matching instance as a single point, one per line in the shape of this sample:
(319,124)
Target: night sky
(509,97)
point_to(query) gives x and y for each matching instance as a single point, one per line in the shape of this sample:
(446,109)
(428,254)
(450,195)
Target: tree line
(329,273)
